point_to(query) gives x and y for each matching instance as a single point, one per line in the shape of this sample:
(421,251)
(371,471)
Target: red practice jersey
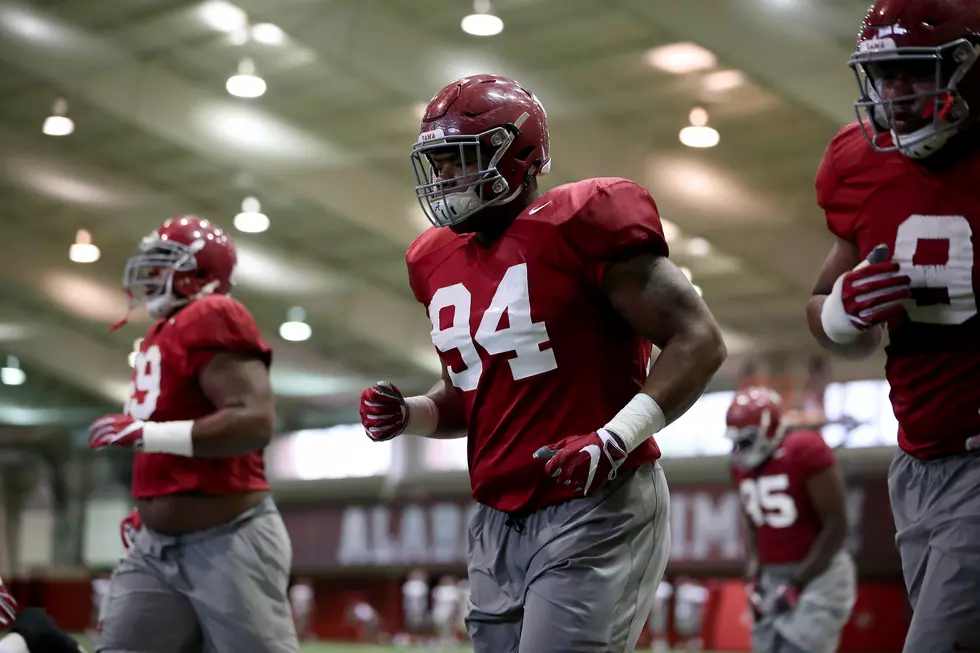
(532,343)
(775,499)
(165,388)
(927,218)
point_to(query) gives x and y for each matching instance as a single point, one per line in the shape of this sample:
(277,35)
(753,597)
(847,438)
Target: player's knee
(40,633)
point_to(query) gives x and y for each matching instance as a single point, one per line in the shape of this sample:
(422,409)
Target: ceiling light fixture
(11,373)
(82,250)
(222,16)
(58,123)
(481,22)
(681,58)
(698,134)
(246,83)
(268,34)
(251,220)
(295,328)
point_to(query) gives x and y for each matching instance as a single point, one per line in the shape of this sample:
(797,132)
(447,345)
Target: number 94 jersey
(929,219)
(775,499)
(165,388)
(531,341)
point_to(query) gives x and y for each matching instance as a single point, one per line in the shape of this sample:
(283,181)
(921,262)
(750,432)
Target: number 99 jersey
(532,343)
(165,388)
(928,218)
(775,499)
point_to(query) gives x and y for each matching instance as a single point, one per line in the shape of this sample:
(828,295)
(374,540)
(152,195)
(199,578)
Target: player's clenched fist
(872,293)
(584,462)
(116,431)
(383,411)
(129,527)
(8,607)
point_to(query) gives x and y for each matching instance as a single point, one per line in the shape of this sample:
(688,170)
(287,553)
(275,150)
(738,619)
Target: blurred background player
(899,193)
(463,607)
(659,621)
(445,608)
(543,308)
(415,606)
(801,582)
(210,566)
(364,618)
(690,599)
(302,601)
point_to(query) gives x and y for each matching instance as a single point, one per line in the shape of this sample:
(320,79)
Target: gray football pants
(936,506)
(814,626)
(575,577)
(216,591)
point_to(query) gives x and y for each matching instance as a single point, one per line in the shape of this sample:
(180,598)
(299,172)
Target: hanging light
(82,250)
(58,123)
(246,83)
(481,22)
(698,134)
(295,328)
(11,373)
(268,33)
(251,220)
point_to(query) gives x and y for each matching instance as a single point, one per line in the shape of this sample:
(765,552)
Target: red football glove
(585,462)
(872,293)
(383,411)
(8,607)
(129,527)
(785,598)
(116,431)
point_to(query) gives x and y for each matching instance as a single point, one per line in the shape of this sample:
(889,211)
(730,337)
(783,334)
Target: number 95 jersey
(531,341)
(165,388)
(928,218)
(775,499)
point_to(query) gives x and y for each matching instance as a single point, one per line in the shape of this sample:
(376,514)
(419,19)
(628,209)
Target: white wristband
(638,421)
(423,416)
(833,318)
(169,437)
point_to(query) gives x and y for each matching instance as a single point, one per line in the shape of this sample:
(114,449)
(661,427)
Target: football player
(208,567)
(801,582)
(899,189)
(543,307)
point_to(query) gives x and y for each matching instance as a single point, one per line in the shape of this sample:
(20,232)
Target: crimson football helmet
(186,258)
(754,426)
(937,40)
(499,131)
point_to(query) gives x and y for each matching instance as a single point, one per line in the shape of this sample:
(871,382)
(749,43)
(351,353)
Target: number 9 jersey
(531,342)
(928,218)
(165,388)
(775,499)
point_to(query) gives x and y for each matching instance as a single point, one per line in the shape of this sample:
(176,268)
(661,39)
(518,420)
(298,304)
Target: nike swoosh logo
(593,451)
(535,210)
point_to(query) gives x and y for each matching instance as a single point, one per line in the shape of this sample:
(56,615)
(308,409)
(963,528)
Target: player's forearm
(821,553)
(450,419)
(863,346)
(683,370)
(232,431)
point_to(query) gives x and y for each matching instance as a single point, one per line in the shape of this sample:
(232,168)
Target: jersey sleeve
(840,201)
(618,220)
(811,454)
(220,324)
